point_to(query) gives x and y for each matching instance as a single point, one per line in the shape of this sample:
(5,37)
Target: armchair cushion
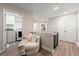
(22,43)
(34,38)
(31,45)
(30,36)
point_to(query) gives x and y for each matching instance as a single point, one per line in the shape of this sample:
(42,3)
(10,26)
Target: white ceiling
(43,11)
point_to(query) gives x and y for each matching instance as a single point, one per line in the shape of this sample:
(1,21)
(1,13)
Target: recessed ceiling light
(64,13)
(56,8)
(43,20)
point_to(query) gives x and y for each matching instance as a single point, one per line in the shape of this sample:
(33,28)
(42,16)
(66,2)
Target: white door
(61,28)
(67,27)
(71,28)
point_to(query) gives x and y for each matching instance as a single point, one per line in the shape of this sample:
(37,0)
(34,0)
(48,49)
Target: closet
(66,26)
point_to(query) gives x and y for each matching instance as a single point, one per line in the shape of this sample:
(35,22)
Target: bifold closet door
(66,26)
(61,28)
(70,27)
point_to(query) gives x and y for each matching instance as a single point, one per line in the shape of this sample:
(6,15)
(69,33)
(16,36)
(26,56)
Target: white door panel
(70,28)
(61,28)
(66,26)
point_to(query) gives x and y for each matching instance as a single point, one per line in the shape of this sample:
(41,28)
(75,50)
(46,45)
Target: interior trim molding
(1,51)
(67,41)
(77,43)
(46,48)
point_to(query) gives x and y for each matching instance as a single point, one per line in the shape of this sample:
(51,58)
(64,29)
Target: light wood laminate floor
(66,49)
(63,49)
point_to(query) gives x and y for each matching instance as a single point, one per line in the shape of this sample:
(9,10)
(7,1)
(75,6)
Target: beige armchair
(30,45)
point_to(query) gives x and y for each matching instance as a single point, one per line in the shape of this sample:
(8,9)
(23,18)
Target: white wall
(52,25)
(27,19)
(36,26)
(78,28)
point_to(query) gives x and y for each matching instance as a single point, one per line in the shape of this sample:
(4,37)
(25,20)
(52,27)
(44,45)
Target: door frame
(4,33)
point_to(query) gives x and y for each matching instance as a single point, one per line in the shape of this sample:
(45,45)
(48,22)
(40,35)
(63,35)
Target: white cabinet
(18,25)
(10,19)
(13,23)
(10,36)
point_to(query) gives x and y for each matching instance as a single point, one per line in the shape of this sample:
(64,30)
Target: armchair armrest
(38,39)
(25,37)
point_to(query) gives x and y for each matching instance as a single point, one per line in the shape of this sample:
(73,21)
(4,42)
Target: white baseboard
(77,44)
(53,50)
(1,51)
(46,48)
(67,41)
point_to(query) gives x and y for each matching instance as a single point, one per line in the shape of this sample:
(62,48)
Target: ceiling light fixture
(64,13)
(56,8)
